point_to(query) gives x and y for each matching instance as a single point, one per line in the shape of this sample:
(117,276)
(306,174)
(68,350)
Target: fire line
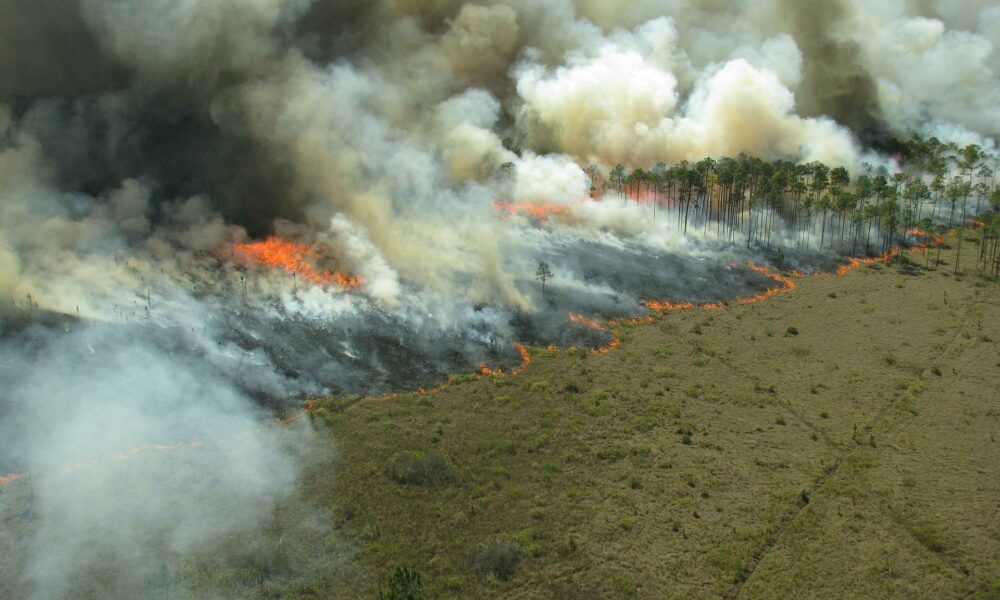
(279,253)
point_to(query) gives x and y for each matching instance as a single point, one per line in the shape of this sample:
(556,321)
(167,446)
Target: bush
(792,331)
(928,538)
(419,468)
(498,558)
(404,584)
(612,454)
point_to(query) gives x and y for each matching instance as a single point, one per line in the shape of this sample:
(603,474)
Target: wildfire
(605,327)
(587,322)
(786,286)
(614,343)
(525,359)
(294,258)
(11,478)
(937,240)
(855,263)
(666,305)
(485,371)
(540,212)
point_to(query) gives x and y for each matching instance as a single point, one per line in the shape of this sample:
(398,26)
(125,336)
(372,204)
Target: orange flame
(485,371)
(488,372)
(525,360)
(936,239)
(11,478)
(294,258)
(855,263)
(587,322)
(540,212)
(614,343)
(666,305)
(786,286)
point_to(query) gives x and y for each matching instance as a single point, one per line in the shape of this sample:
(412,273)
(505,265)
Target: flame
(525,360)
(666,305)
(587,322)
(485,371)
(937,240)
(787,285)
(294,258)
(11,478)
(855,263)
(539,212)
(614,343)
(488,372)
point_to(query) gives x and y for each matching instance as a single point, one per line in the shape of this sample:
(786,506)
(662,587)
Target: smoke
(435,149)
(105,516)
(618,107)
(930,76)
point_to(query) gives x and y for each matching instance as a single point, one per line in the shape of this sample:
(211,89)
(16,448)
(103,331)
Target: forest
(936,187)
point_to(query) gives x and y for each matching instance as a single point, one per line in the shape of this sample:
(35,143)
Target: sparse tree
(617,177)
(594,172)
(543,274)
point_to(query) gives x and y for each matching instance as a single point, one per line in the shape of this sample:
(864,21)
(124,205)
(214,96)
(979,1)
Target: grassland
(840,441)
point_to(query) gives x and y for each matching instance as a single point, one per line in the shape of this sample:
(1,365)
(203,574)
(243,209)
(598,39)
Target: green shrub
(928,538)
(646,424)
(792,331)
(419,468)
(498,558)
(537,387)
(404,584)
(614,453)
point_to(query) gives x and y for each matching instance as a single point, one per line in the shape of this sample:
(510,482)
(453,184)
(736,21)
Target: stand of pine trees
(822,208)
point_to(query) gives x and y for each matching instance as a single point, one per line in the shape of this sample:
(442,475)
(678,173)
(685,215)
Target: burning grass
(538,212)
(302,260)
